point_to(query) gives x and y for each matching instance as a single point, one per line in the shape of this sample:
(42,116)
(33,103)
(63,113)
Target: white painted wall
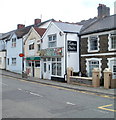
(60,43)
(13,52)
(73,57)
(3,62)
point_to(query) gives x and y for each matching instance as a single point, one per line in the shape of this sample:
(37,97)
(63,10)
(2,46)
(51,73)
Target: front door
(46,69)
(49,70)
(32,69)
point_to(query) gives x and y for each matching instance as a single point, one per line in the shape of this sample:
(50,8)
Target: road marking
(19,89)
(85,92)
(69,103)
(3,84)
(35,94)
(104,108)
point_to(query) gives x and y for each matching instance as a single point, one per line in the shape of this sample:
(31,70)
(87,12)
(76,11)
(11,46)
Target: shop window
(13,42)
(53,68)
(44,59)
(28,63)
(56,66)
(52,40)
(13,61)
(37,63)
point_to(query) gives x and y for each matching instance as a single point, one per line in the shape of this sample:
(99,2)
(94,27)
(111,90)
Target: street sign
(21,55)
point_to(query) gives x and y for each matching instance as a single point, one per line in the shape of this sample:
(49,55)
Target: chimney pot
(37,21)
(19,26)
(103,11)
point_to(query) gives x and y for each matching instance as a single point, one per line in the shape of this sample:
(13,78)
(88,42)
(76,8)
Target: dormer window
(13,42)
(52,40)
(93,44)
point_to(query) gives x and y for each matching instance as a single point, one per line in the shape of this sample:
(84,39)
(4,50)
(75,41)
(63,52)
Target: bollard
(96,77)
(107,78)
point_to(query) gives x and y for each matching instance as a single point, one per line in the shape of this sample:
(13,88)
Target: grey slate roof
(106,23)
(68,27)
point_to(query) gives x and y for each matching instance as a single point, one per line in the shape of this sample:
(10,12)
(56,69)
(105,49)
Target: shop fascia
(52,52)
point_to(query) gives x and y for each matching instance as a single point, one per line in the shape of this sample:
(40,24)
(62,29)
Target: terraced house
(98,44)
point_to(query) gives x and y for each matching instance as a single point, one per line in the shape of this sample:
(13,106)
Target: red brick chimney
(19,26)
(37,21)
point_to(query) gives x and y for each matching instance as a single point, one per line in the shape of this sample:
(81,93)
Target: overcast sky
(15,12)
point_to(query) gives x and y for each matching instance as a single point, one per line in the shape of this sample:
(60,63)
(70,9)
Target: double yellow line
(63,88)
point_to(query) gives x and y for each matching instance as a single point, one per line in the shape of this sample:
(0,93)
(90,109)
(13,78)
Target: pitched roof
(40,31)
(21,32)
(106,23)
(68,27)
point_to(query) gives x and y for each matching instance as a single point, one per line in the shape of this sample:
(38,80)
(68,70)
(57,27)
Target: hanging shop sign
(72,46)
(33,58)
(52,52)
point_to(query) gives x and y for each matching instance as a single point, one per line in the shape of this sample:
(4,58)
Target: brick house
(98,44)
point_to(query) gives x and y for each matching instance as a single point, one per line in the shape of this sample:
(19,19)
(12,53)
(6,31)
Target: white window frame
(89,43)
(14,62)
(52,40)
(56,62)
(13,42)
(109,63)
(109,43)
(31,42)
(93,59)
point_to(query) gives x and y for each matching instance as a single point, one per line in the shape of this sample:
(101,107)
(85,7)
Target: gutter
(97,31)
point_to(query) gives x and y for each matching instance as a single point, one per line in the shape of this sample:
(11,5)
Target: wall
(103,52)
(3,59)
(13,52)
(73,57)
(60,43)
(35,37)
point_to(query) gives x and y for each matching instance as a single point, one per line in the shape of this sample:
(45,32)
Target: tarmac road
(24,99)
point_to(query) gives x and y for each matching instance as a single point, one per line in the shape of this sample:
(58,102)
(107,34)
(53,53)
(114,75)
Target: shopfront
(52,64)
(33,66)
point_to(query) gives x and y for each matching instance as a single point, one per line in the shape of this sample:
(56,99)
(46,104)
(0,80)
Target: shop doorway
(33,69)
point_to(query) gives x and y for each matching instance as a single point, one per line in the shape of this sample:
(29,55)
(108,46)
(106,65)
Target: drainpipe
(79,54)
(65,56)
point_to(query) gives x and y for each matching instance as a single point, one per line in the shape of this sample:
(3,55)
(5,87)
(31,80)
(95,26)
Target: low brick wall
(81,80)
(113,83)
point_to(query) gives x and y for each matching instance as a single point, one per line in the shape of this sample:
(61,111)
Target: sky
(13,12)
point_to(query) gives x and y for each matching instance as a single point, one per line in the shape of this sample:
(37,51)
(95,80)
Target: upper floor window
(113,42)
(13,42)
(31,46)
(93,44)
(52,40)
(38,47)
(13,61)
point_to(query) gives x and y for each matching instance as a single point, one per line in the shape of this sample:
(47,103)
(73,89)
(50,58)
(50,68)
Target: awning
(33,58)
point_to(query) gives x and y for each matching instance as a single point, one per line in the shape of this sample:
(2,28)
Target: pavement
(97,90)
